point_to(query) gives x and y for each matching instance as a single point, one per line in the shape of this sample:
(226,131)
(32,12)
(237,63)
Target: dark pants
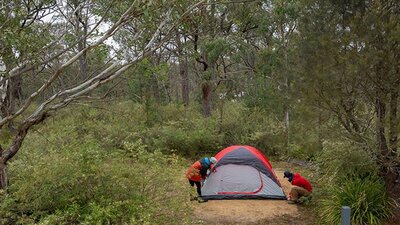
(198,186)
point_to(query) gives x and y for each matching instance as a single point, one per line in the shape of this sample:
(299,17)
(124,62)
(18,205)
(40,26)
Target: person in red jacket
(301,186)
(197,173)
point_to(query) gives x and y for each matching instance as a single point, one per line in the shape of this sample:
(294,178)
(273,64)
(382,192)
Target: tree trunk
(12,150)
(286,108)
(388,158)
(207,108)
(11,88)
(3,175)
(81,30)
(392,173)
(183,71)
(12,93)
(393,190)
(155,86)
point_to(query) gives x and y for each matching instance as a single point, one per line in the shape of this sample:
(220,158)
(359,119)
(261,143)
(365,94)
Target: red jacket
(300,181)
(198,170)
(193,173)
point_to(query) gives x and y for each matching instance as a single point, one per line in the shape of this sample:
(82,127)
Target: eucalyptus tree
(267,31)
(205,29)
(204,26)
(351,63)
(285,15)
(217,41)
(181,52)
(77,14)
(276,33)
(19,26)
(152,22)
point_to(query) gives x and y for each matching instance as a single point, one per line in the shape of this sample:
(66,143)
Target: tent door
(234,179)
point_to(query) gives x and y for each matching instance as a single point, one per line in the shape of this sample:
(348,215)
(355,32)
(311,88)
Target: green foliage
(348,176)
(90,187)
(188,137)
(298,151)
(187,132)
(184,131)
(215,49)
(366,198)
(5,137)
(340,160)
(71,173)
(21,39)
(252,126)
(144,81)
(268,62)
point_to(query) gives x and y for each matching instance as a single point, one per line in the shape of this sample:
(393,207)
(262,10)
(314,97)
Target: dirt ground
(250,211)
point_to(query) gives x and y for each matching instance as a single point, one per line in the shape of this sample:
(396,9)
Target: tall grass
(366,198)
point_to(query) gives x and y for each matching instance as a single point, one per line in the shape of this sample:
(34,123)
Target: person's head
(289,175)
(209,161)
(213,160)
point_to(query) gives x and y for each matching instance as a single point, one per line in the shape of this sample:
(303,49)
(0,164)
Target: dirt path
(247,211)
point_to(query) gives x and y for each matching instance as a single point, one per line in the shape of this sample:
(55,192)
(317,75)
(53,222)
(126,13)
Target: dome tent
(242,172)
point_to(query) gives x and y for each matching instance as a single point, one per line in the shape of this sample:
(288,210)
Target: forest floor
(273,212)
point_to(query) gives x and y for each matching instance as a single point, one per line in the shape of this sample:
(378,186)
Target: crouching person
(300,186)
(197,173)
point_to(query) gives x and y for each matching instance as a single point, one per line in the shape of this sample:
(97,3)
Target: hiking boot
(291,202)
(201,200)
(192,197)
(304,200)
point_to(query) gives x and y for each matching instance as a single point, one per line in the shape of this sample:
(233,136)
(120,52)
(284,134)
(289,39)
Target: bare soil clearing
(249,211)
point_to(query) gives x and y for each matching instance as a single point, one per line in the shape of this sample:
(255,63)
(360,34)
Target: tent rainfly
(242,172)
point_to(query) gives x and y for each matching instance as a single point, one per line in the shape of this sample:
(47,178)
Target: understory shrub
(186,137)
(366,198)
(342,160)
(191,135)
(106,164)
(251,126)
(348,176)
(80,182)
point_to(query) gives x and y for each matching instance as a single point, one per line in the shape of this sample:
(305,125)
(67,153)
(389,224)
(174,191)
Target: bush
(188,137)
(341,160)
(64,175)
(193,135)
(348,176)
(251,126)
(88,165)
(366,198)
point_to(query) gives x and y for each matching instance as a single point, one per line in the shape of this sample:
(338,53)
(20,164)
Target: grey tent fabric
(232,181)
(242,156)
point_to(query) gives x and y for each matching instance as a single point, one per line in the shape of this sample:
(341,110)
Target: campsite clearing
(252,211)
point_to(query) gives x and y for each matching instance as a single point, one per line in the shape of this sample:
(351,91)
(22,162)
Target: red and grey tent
(242,172)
